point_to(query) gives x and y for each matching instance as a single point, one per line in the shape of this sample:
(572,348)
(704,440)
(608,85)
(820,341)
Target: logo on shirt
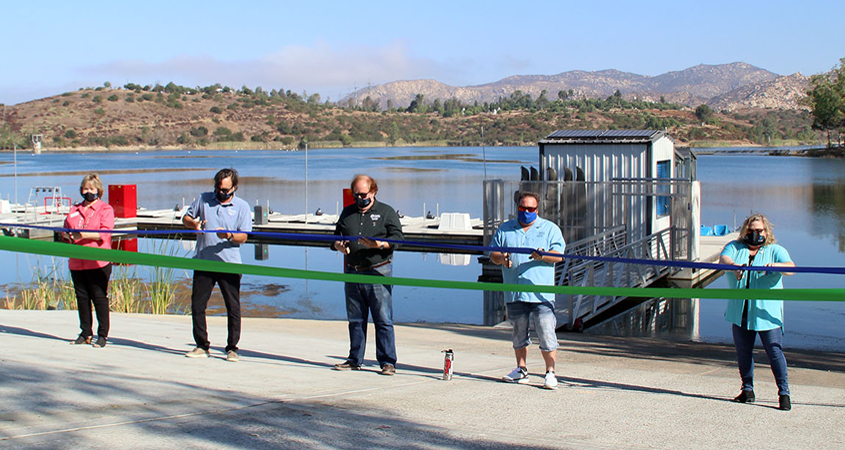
(375,217)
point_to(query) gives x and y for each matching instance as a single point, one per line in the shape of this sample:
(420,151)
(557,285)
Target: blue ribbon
(471,248)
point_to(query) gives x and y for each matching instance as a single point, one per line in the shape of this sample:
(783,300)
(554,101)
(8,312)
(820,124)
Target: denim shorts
(519,314)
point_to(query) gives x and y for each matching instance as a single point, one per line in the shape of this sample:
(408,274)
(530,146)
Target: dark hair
(226,173)
(524,194)
(370,181)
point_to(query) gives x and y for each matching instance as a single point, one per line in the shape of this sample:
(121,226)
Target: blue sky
(50,47)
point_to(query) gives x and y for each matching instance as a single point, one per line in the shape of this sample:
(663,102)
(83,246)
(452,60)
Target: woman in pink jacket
(91,278)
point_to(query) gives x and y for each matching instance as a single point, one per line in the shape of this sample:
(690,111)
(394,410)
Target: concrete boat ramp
(141,392)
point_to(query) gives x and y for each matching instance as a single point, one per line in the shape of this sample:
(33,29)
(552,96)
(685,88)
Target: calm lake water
(805,198)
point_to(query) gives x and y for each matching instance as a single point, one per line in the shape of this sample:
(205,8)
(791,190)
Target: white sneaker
(551,381)
(518,375)
(197,353)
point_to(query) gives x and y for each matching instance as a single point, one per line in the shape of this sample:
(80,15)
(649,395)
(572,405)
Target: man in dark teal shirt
(368,220)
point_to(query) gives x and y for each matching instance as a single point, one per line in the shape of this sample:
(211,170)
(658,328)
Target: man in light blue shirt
(218,210)
(530,231)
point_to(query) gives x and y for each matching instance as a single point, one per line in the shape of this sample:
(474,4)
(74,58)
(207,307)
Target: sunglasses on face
(361,194)
(528,208)
(758,230)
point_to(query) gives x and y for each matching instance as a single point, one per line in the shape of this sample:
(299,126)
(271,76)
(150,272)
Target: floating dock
(448,228)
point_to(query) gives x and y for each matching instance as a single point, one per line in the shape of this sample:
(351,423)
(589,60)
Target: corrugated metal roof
(575,134)
(602,136)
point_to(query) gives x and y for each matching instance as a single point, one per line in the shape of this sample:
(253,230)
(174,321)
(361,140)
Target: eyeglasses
(528,208)
(360,194)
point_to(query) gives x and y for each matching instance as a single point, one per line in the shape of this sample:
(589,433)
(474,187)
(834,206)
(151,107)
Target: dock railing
(636,218)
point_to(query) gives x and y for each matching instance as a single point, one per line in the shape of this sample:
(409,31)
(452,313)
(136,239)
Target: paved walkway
(140,392)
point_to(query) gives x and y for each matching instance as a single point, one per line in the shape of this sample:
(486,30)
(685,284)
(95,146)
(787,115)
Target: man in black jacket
(368,220)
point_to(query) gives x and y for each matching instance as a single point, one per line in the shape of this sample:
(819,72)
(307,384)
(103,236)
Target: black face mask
(754,239)
(362,202)
(89,196)
(223,196)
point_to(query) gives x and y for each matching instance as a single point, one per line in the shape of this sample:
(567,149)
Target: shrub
(216,110)
(70,134)
(112,98)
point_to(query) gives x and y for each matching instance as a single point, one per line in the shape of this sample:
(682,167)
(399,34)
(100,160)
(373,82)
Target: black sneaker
(784,403)
(101,342)
(81,340)
(745,397)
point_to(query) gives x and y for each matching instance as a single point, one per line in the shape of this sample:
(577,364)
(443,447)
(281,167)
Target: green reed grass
(126,290)
(162,280)
(51,287)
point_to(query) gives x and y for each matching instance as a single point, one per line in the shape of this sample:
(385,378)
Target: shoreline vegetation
(135,118)
(158,291)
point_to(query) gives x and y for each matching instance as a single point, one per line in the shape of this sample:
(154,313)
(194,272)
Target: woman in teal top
(756,247)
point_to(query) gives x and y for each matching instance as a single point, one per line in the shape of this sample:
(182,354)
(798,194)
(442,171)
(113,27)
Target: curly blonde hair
(754,217)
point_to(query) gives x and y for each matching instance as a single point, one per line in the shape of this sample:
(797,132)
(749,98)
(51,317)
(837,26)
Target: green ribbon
(21,245)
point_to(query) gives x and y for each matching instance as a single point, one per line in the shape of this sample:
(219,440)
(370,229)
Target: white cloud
(318,68)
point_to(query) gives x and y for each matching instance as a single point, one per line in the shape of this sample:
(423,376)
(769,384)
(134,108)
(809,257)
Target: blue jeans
(773,343)
(362,299)
(519,314)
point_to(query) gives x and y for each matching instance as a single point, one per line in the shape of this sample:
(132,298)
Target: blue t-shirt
(234,215)
(542,234)
(763,314)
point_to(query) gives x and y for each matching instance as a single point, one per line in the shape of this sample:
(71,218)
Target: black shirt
(379,222)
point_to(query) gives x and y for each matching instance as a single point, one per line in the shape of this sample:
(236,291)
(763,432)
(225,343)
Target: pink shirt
(97,216)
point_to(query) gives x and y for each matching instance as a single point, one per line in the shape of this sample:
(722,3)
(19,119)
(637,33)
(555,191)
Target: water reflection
(657,317)
(829,211)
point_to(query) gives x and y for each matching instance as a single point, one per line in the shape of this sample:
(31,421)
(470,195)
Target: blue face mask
(527,217)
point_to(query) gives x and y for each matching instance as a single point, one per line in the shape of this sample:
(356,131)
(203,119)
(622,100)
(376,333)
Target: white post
(483,154)
(306,184)
(16,172)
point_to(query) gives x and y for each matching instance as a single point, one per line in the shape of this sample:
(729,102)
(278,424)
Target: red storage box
(348,198)
(123,198)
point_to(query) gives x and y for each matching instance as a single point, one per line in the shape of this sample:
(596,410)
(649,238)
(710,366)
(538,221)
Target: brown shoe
(388,369)
(346,365)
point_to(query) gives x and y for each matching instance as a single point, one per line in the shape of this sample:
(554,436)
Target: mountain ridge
(700,84)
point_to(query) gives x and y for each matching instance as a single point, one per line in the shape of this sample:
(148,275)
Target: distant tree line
(517,119)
